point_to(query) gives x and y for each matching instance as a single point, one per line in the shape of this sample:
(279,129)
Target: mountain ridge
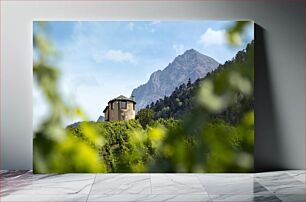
(183,100)
(191,64)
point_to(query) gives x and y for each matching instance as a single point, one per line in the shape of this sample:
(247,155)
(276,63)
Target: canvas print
(143,96)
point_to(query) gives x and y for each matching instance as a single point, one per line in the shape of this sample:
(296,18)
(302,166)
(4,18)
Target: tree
(145,117)
(189,83)
(152,104)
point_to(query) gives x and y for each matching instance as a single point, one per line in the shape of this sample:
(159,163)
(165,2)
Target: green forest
(204,126)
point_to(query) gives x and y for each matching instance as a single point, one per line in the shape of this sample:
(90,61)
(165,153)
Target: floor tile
(183,198)
(12,181)
(43,198)
(298,175)
(121,184)
(216,184)
(281,183)
(49,184)
(14,173)
(291,197)
(245,198)
(175,184)
(150,198)
(259,189)
(266,198)
(230,197)
(287,186)
(275,175)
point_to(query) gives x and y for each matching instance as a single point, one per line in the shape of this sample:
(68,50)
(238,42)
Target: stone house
(120,108)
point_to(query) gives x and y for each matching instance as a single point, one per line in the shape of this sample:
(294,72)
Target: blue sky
(100,60)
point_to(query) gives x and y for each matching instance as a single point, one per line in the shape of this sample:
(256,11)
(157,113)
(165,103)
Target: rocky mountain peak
(191,64)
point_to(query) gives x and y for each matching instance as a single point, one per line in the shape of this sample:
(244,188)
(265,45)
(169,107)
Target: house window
(123,104)
(112,105)
(134,106)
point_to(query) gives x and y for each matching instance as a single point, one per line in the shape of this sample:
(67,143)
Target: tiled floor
(272,186)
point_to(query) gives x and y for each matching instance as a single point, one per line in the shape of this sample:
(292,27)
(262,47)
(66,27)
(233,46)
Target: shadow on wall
(267,150)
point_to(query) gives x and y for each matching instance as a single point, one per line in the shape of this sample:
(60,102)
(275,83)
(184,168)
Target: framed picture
(143,96)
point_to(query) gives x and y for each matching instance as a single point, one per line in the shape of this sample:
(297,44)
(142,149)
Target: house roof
(121,98)
(105,109)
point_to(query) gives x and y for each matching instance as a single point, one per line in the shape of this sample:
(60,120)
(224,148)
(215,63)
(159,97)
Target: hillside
(182,100)
(191,64)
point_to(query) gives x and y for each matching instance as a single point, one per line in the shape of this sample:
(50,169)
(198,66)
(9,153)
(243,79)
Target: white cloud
(213,37)
(119,56)
(87,80)
(179,48)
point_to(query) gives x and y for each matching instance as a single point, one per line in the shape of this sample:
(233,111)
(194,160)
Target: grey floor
(272,186)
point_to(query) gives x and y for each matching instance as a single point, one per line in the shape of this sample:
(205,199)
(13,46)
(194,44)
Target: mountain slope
(191,64)
(182,99)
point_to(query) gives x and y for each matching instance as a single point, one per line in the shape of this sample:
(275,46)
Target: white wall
(283,26)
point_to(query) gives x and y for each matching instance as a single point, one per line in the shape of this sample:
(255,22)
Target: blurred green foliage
(55,150)
(235,33)
(128,147)
(215,132)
